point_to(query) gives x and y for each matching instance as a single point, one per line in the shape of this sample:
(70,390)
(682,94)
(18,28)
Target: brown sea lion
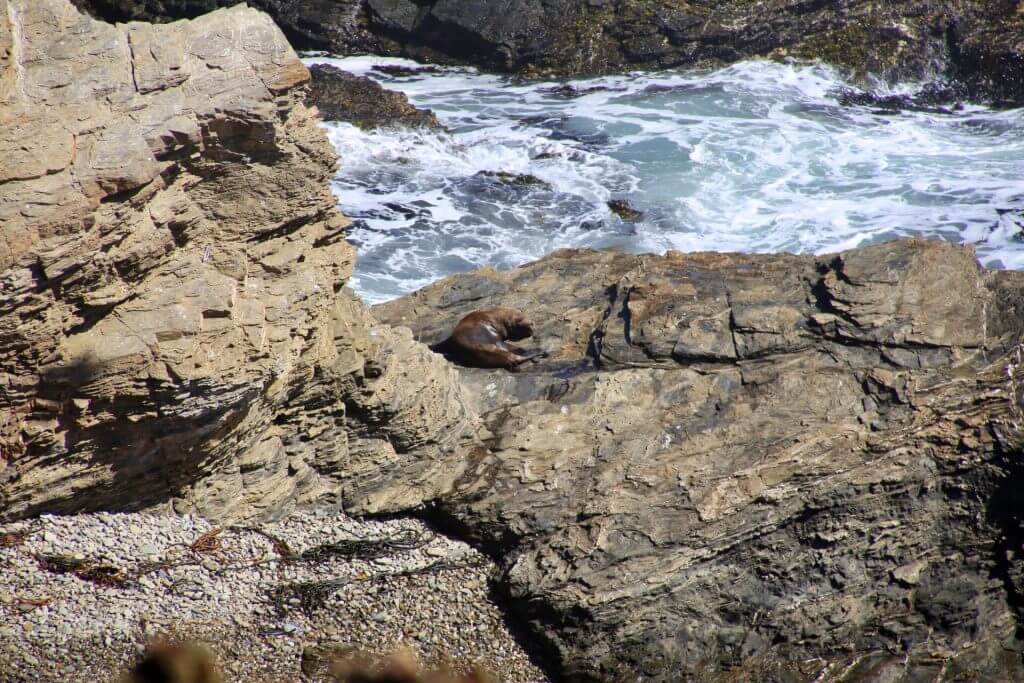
(479,340)
(402,667)
(175,663)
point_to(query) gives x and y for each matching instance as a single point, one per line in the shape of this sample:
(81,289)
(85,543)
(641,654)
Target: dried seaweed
(12,539)
(87,570)
(349,549)
(280,547)
(310,595)
(34,602)
(366,548)
(209,542)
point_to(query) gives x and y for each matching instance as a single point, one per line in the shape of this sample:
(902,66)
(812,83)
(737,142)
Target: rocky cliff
(174,324)
(788,467)
(978,42)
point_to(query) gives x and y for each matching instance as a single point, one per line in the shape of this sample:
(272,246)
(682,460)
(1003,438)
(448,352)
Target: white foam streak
(754,157)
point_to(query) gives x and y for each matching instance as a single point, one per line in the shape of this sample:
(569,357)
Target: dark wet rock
(564,127)
(624,210)
(936,99)
(776,465)
(515,179)
(978,41)
(565,153)
(658,88)
(402,70)
(569,91)
(362,101)
(989,53)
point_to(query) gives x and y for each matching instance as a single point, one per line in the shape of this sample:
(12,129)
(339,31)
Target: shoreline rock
(772,464)
(176,330)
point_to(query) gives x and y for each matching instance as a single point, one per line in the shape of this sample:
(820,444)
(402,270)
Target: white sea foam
(754,157)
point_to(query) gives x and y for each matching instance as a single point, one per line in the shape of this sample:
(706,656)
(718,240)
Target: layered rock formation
(980,42)
(800,468)
(174,326)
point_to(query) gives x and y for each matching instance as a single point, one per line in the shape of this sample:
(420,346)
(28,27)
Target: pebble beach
(81,596)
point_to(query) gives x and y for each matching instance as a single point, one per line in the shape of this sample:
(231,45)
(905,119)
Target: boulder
(763,467)
(175,330)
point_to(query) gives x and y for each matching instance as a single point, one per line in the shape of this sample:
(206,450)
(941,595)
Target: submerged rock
(402,70)
(516,179)
(775,465)
(936,99)
(624,210)
(362,101)
(175,328)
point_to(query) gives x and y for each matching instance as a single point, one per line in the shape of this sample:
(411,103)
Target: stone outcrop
(342,96)
(980,42)
(174,324)
(793,468)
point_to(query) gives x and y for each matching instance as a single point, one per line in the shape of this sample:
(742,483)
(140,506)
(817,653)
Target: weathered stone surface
(978,41)
(174,327)
(361,101)
(801,468)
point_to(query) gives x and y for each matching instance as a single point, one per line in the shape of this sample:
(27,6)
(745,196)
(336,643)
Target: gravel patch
(81,596)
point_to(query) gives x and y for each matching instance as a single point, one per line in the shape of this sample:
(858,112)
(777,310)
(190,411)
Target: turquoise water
(758,156)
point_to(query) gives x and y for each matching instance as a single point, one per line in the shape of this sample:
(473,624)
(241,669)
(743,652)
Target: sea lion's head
(517,325)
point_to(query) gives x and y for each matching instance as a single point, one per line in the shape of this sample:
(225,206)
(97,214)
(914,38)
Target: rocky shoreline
(729,467)
(977,43)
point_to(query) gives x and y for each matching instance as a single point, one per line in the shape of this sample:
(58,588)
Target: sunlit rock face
(174,327)
(795,467)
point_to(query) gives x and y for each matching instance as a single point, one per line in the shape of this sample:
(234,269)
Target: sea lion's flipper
(443,347)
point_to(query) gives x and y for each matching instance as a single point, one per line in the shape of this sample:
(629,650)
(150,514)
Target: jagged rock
(784,467)
(514,179)
(624,210)
(977,41)
(362,101)
(174,327)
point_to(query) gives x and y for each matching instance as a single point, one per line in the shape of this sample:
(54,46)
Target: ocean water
(756,157)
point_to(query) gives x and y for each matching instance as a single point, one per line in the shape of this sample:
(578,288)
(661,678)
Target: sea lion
(479,340)
(175,663)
